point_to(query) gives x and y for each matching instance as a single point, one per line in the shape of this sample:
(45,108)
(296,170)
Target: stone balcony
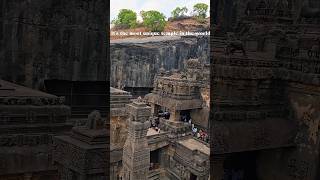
(157,140)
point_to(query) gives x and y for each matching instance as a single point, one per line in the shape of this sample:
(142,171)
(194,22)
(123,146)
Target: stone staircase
(154,175)
(157,174)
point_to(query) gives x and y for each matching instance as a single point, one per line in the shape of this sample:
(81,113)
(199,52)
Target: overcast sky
(164,6)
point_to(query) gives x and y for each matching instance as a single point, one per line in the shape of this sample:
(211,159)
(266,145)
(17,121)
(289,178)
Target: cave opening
(241,166)
(155,159)
(185,115)
(193,177)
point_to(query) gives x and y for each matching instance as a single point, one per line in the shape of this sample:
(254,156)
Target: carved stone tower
(136,155)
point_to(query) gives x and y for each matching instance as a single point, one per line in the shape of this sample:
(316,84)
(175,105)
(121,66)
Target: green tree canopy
(126,18)
(153,20)
(178,12)
(201,10)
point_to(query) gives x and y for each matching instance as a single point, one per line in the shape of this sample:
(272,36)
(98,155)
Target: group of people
(201,134)
(186,118)
(155,124)
(155,121)
(165,114)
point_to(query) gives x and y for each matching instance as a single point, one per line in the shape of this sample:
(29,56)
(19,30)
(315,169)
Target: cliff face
(52,39)
(134,62)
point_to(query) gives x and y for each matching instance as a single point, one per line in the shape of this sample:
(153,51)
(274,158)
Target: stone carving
(37,101)
(249,8)
(193,63)
(298,169)
(219,143)
(95,121)
(261,137)
(290,54)
(21,140)
(316,47)
(135,151)
(309,12)
(282,8)
(234,45)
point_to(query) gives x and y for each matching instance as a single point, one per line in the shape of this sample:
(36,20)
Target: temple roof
(118,100)
(114,91)
(30,111)
(8,89)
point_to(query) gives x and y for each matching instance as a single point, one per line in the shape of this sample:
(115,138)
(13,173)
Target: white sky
(164,6)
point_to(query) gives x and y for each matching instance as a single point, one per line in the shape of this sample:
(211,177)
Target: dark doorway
(193,177)
(185,115)
(82,96)
(155,159)
(240,166)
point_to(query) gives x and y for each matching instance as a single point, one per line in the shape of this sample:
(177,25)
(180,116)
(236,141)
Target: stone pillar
(136,154)
(174,115)
(154,109)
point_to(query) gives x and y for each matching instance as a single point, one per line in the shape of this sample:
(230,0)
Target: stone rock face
(52,39)
(134,63)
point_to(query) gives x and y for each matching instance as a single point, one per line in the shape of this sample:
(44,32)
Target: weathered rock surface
(134,62)
(52,39)
(272,89)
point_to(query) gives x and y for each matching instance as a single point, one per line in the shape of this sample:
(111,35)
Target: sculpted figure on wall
(309,12)
(234,45)
(94,120)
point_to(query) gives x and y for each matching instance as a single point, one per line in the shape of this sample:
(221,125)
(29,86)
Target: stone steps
(154,175)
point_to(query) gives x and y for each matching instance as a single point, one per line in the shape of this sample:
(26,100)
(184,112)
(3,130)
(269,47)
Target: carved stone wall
(276,81)
(136,153)
(52,39)
(227,13)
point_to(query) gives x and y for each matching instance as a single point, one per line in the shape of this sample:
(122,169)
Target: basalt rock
(52,39)
(134,62)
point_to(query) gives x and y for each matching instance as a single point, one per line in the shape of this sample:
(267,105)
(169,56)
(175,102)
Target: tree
(201,10)
(178,12)
(126,18)
(153,20)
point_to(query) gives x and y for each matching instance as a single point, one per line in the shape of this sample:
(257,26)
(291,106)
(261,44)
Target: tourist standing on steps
(194,130)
